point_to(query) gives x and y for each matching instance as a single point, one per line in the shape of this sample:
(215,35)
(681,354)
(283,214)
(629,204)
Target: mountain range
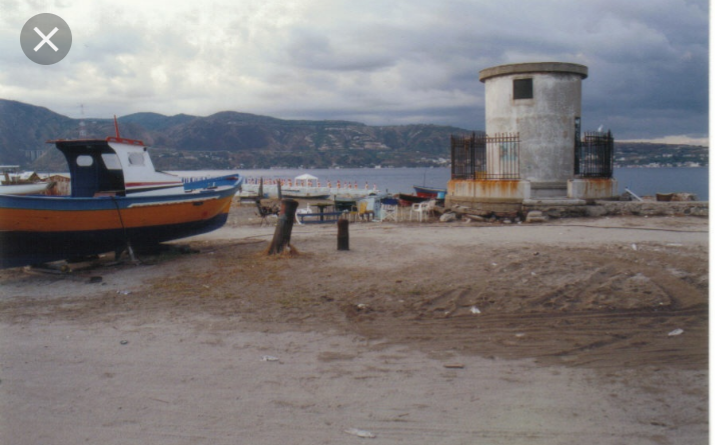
(232,139)
(226,139)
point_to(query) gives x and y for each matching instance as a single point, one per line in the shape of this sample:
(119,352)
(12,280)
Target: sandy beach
(422,333)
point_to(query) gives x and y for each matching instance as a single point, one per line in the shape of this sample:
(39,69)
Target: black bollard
(343,234)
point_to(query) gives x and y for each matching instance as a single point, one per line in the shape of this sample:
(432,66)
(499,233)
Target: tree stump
(284,228)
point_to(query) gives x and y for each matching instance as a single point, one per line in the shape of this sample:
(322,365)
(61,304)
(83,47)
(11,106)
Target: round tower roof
(533,67)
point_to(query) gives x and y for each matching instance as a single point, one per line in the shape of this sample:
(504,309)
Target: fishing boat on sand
(429,192)
(422,193)
(118,201)
(407,200)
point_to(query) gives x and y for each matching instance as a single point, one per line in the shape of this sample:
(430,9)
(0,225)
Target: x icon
(47,52)
(46,39)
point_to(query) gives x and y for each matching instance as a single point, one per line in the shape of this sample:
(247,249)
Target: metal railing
(465,152)
(483,157)
(593,156)
(503,156)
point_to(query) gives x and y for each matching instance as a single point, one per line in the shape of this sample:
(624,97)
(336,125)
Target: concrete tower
(532,153)
(542,103)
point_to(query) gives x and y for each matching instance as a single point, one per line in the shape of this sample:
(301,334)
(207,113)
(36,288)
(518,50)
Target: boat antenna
(82,128)
(116,126)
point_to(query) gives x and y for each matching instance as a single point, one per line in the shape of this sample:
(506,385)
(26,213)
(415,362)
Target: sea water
(641,181)
(649,181)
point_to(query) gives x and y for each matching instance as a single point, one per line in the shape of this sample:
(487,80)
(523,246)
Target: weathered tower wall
(547,118)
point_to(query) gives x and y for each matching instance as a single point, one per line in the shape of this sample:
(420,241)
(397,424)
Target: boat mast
(82,128)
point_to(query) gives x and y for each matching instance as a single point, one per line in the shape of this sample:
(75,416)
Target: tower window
(523,88)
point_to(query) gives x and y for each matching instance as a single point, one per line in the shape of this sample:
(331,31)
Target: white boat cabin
(115,167)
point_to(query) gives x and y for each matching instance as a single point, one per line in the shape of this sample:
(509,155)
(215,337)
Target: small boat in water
(118,200)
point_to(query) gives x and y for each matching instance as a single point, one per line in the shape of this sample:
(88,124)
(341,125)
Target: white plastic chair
(422,209)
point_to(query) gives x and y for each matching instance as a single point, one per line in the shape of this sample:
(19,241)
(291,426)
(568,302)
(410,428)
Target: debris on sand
(360,433)
(454,365)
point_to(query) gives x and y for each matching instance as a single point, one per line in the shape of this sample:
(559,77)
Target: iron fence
(483,157)
(593,157)
(503,156)
(467,155)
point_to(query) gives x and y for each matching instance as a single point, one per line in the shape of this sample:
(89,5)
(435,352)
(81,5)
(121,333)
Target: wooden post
(343,234)
(284,228)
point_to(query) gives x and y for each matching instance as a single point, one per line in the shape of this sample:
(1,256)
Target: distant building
(533,148)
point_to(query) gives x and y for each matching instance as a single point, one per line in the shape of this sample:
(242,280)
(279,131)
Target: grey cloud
(398,61)
(318,51)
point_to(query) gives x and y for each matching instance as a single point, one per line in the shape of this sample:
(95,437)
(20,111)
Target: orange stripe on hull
(27,220)
(159,215)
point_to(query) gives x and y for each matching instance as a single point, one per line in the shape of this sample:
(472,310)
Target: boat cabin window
(136,158)
(111,161)
(85,161)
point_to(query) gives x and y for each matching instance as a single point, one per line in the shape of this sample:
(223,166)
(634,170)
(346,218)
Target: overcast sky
(381,62)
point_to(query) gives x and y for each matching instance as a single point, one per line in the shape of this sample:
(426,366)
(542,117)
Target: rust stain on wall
(491,189)
(597,188)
